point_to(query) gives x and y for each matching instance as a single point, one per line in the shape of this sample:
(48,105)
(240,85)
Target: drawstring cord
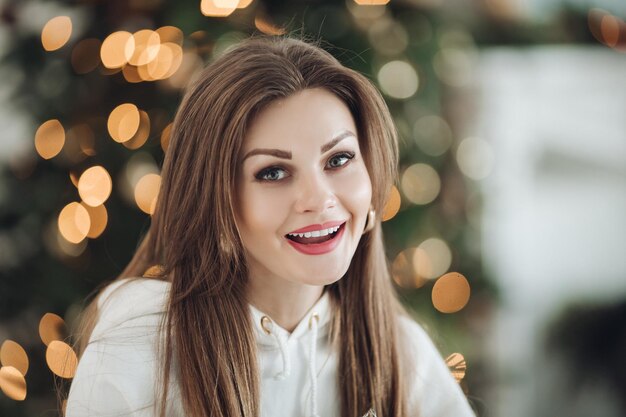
(313,325)
(266,323)
(282,344)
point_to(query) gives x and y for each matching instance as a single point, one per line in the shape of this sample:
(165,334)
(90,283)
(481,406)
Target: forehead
(311,116)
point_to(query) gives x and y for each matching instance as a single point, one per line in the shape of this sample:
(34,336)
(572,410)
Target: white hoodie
(117,374)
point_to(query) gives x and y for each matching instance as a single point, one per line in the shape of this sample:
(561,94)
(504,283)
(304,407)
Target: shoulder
(131,302)
(117,370)
(433,390)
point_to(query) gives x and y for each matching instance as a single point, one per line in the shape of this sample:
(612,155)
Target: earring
(371,219)
(224,246)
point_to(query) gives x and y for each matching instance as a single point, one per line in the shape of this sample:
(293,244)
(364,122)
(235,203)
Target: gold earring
(371,219)
(224,245)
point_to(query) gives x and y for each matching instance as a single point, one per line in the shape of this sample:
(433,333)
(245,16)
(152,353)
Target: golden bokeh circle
(403,271)
(420,183)
(99,218)
(131,74)
(123,122)
(143,132)
(165,137)
(61,359)
(74,222)
(166,63)
(117,49)
(147,191)
(13,354)
(56,33)
(371,2)
(51,327)
(392,206)
(49,139)
(610,29)
(95,185)
(12,383)
(170,34)
(451,292)
(147,45)
(433,258)
(218,8)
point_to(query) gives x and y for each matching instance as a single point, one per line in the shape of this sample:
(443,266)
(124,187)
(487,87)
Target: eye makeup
(261,175)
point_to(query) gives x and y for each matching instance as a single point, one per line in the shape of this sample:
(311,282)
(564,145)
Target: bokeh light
(371,2)
(123,122)
(267,27)
(142,134)
(398,79)
(610,29)
(432,258)
(68,249)
(475,158)
(94,186)
(451,293)
(61,359)
(403,272)
(49,139)
(218,8)
(98,217)
(420,183)
(79,143)
(392,206)
(56,33)
(74,222)
(12,383)
(117,49)
(432,134)
(147,45)
(13,354)
(191,65)
(170,34)
(51,327)
(147,192)
(165,137)
(131,74)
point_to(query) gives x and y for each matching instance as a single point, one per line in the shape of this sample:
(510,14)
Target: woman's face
(301,168)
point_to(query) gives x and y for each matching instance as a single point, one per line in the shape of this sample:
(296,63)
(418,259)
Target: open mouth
(316,239)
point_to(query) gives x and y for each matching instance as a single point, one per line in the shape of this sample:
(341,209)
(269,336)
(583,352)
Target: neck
(286,303)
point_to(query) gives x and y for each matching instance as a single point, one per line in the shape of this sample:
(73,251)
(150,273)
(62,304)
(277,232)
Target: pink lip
(318,248)
(314,227)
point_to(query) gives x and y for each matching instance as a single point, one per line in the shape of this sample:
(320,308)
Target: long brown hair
(193,235)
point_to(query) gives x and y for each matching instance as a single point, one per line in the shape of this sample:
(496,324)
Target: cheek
(356,190)
(255,206)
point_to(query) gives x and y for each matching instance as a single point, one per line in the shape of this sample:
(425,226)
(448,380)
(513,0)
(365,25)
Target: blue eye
(269,174)
(344,155)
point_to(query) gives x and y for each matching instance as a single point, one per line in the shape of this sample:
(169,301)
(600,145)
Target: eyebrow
(287,155)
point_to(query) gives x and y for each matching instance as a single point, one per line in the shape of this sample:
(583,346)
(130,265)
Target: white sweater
(117,373)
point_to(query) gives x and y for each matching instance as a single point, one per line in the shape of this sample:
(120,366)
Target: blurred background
(505,233)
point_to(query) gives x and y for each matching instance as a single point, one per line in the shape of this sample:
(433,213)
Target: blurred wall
(553,223)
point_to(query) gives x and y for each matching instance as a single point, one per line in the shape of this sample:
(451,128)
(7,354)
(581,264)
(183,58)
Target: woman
(274,296)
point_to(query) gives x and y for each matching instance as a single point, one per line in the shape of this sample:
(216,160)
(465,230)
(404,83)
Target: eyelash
(348,155)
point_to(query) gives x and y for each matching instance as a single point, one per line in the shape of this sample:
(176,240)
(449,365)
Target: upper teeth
(316,233)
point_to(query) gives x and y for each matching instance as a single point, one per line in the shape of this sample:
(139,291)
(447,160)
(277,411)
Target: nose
(314,194)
